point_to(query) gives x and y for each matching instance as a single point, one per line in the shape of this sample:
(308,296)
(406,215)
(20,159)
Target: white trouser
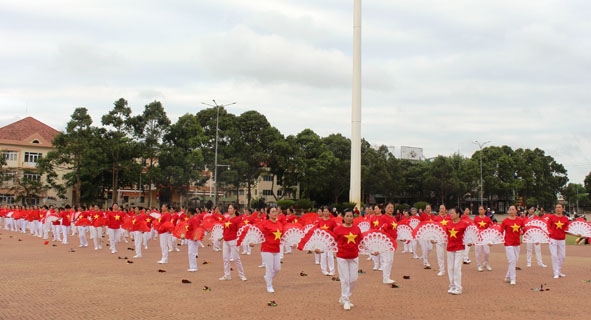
(147,236)
(65,231)
(230,251)
(426,247)
(272,262)
(467,253)
(246,248)
(558,253)
(55,229)
(455,259)
(82,236)
(512,253)
(316,258)
(97,237)
(376,261)
(440,248)
(138,238)
(348,273)
(216,245)
(113,239)
(164,240)
(173,244)
(482,252)
(193,251)
(529,247)
(327,262)
(387,259)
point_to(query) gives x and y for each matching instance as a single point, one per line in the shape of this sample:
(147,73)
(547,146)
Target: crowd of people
(189,226)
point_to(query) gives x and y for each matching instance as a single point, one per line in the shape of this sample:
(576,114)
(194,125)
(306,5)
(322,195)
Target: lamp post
(480,146)
(215,166)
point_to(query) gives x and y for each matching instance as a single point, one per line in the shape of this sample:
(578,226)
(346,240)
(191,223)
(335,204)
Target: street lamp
(217,122)
(480,146)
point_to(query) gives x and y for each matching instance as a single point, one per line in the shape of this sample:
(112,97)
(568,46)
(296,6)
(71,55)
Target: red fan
(196,234)
(318,239)
(155,215)
(538,223)
(251,235)
(490,236)
(471,235)
(166,227)
(432,231)
(127,222)
(308,218)
(376,241)
(208,223)
(364,226)
(292,235)
(414,222)
(142,225)
(180,231)
(217,231)
(535,235)
(579,227)
(404,232)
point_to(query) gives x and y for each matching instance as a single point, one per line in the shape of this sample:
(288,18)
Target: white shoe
(562,275)
(489,268)
(456,292)
(480,269)
(243,278)
(343,302)
(191,270)
(161,262)
(330,274)
(440,273)
(177,249)
(389,281)
(556,277)
(270,290)
(347,306)
(507,280)
(528,265)
(450,290)
(513,282)
(224,278)
(542,265)
(261,266)
(137,256)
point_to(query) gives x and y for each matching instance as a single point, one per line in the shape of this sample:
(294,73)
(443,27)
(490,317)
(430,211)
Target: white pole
(355,187)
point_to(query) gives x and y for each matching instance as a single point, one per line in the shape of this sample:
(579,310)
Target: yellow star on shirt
(515,227)
(376,223)
(453,232)
(96,216)
(187,228)
(148,219)
(117,217)
(295,220)
(351,237)
(559,225)
(482,224)
(277,234)
(246,221)
(325,227)
(186,218)
(394,225)
(228,223)
(444,222)
(133,221)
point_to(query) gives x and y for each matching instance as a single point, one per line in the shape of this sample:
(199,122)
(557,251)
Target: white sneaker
(243,278)
(343,302)
(161,262)
(507,280)
(177,249)
(224,278)
(192,270)
(440,273)
(456,292)
(330,274)
(270,290)
(488,267)
(562,275)
(261,266)
(137,256)
(480,269)
(542,265)
(556,277)
(528,265)
(513,282)
(347,306)
(389,281)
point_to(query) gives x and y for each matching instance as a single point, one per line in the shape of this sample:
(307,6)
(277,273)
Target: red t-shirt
(455,235)
(231,228)
(557,226)
(512,228)
(374,221)
(427,216)
(482,223)
(444,220)
(272,232)
(66,216)
(114,219)
(327,225)
(388,225)
(348,239)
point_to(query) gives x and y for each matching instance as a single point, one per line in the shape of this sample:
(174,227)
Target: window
(6,199)
(267,192)
(32,177)
(279,193)
(268,178)
(32,157)
(10,155)
(241,192)
(10,175)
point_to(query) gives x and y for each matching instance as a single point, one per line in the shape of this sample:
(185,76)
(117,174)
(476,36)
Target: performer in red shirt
(326,258)
(192,240)
(533,246)
(164,233)
(96,231)
(426,245)
(557,224)
(66,216)
(375,225)
(272,230)
(114,220)
(139,226)
(347,237)
(247,219)
(82,223)
(455,251)
(229,247)
(388,225)
(512,225)
(443,218)
(482,251)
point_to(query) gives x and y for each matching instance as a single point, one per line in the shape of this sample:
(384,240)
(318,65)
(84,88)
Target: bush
(305,204)
(285,203)
(421,205)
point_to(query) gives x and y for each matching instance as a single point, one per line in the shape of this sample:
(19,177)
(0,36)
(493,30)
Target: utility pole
(217,124)
(480,146)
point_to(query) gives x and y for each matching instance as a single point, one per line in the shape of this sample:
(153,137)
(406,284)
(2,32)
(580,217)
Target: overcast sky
(437,75)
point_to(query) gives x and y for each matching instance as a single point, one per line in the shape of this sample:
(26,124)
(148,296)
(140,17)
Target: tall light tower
(215,166)
(355,186)
(480,146)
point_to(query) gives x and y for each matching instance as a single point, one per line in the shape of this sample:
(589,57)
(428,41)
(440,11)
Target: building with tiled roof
(22,144)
